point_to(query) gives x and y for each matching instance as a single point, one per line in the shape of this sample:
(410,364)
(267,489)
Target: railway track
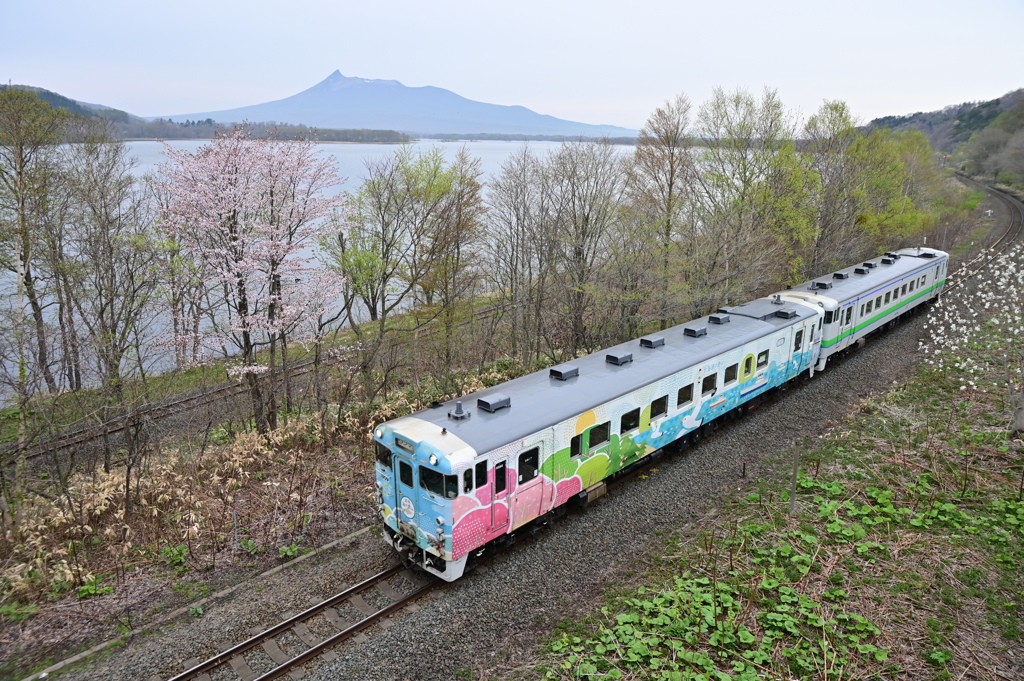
(81,436)
(285,647)
(1013,233)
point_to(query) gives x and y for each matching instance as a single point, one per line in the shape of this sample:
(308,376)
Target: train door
(405,495)
(530,497)
(499,496)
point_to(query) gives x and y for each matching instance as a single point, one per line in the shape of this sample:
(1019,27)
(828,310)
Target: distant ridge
(347,102)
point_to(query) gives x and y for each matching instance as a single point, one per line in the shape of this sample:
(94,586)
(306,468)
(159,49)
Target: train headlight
(379,432)
(433,459)
(440,520)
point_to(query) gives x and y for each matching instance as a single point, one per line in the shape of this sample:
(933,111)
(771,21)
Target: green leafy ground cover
(902,560)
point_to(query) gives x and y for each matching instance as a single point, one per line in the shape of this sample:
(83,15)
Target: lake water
(351,158)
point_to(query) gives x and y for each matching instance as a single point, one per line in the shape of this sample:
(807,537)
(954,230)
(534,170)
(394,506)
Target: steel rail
(287,624)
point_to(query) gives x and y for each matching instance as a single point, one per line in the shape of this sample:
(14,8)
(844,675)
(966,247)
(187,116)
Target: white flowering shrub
(977,332)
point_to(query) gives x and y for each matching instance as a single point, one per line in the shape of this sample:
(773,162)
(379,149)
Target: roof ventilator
(927,254)
(695,331)
(619,358)
(894,256)
(841,275)
(652,341)
(719,319)
(564,372)
(786,313)
(819,285)
(459,414)
(887,261)
(860,270)
(871,265)
(494,402)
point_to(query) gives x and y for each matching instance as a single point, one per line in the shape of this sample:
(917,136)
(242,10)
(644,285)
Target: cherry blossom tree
(249,213)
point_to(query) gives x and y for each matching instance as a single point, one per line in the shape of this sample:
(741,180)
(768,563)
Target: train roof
(540,400)
(853,282)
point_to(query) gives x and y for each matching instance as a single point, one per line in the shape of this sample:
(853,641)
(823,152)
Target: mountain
(345,102)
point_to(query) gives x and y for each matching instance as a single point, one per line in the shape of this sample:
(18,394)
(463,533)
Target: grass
(902,561)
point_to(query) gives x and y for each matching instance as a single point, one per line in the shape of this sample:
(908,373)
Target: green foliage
(290,551)
(17,612)
(176,557)
(196,611)
(249,546)
(94,587)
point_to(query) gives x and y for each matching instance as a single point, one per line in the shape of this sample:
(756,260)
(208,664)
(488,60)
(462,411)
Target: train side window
(911,286)
(849,314)
(685,396)
(467,481)
(798,341)
(748,365)
(886,297)
(481,474)
(600,434)
(574,445)
(878,303)
(862,310)
(630,421)
(903,290)
(709,384)
(500,478)
(529,465)
(659,407)
(730,373)
(829,316)
(762,359)
(405,473)
(870,303)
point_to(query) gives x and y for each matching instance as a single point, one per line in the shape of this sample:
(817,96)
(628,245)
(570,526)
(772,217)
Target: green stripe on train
(849,332)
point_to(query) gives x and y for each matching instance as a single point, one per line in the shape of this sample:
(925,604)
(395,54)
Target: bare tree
(659,178)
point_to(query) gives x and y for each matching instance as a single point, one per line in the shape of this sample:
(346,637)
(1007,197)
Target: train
(465,476)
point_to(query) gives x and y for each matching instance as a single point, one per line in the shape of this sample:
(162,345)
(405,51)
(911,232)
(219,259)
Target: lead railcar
(469,473)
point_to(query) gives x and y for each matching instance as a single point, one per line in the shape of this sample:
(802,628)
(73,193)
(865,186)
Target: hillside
(954,124)
(347,102)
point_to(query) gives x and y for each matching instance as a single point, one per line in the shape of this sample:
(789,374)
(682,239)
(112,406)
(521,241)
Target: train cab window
(903,290)
(383,454)
(600,434)
(830,316)
(500,477)
(709,385)
(886,297)
(575,445)
(762,359)
(529,465)
(685,396)
(659,407)
(731,373)
(467,481)
(798,341)
(405,473)
(481,474)
(849,314)
(438,483)
(630,421)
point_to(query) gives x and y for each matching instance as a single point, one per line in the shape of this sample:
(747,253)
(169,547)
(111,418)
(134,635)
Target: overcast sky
(594,61)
